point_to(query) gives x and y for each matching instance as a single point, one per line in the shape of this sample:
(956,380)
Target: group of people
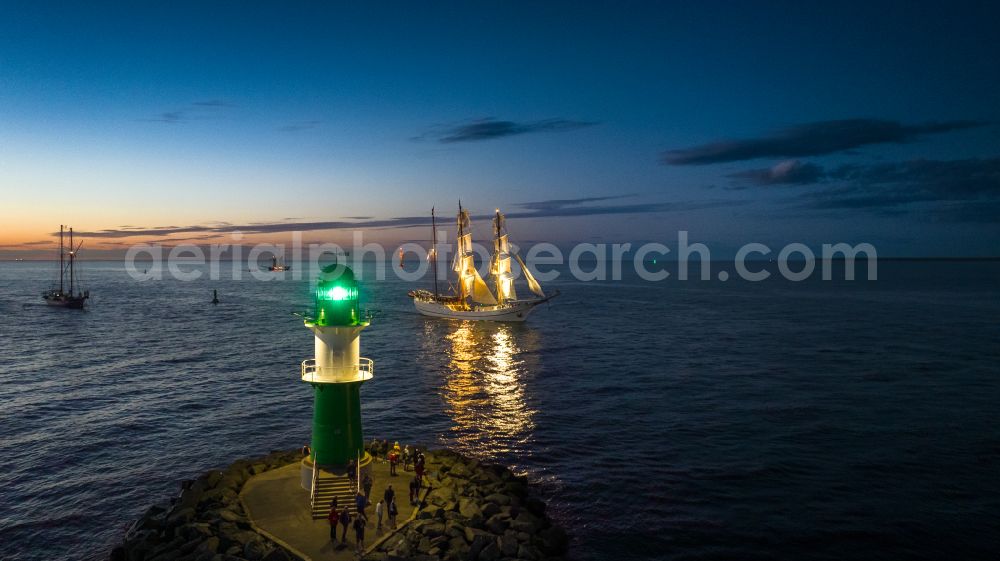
(345,520)
(394,454)
(409,456)
(385,508)
(379,448)
(340,515)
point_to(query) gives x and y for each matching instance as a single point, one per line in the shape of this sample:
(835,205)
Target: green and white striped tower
(336,374)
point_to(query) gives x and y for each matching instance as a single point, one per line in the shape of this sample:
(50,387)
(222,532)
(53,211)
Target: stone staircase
(328,487)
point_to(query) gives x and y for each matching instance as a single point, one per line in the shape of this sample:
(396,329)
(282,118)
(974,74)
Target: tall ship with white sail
(471,298)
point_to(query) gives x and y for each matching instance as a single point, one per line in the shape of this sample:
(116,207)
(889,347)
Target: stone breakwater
(470,511)
(473,511)
(207,521)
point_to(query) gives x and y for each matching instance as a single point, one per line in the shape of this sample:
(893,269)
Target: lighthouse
(336,373)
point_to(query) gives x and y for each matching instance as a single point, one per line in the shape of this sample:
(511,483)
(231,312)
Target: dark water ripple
(695,420)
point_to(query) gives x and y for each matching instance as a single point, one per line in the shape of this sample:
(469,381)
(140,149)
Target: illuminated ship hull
(450,308)
(57,299)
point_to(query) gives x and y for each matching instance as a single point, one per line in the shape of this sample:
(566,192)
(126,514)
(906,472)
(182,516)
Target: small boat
(61,297)
(278,268)
(474,300)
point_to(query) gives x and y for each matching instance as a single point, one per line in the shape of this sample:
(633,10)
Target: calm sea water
(673,420)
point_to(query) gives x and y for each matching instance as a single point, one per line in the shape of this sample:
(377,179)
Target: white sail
(463,251)
(472,284)
(502,272)
(505,282)
(480,292)
(532,283)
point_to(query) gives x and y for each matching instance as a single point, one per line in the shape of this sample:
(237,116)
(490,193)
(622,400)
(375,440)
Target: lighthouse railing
(363,370)
(315,478)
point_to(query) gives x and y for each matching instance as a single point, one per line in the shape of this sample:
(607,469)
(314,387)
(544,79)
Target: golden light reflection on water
(485,389)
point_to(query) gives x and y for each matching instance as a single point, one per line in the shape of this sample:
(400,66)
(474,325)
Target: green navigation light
(337,297)
(340,293)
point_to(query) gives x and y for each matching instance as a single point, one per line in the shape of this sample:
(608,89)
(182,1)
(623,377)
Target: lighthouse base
(331,471)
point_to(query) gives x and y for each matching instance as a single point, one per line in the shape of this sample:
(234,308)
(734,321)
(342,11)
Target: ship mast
(496,258)
(461,232)
(62,266)
(433,254)
(470,283)
(500,265)
(71,258)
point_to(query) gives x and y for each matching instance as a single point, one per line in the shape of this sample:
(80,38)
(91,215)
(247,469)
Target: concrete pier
(256,510)
(279,508)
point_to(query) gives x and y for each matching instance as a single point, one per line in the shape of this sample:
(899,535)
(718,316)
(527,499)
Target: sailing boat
(60,297)
(474,300)
(278,268)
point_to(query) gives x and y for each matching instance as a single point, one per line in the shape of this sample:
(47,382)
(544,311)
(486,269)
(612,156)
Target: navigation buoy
(215,296)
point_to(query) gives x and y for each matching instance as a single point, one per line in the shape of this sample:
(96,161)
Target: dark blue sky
(770,122)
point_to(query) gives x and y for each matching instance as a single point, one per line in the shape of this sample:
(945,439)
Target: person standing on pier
(393,511)
(360,503)
(333,518)
(389,495)
(379,511)
(359,532)
(345,521)
(366,483)
(393,460)
(352,470)
(418,467)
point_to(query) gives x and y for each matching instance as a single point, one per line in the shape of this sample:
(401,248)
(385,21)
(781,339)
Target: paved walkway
(279,507)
